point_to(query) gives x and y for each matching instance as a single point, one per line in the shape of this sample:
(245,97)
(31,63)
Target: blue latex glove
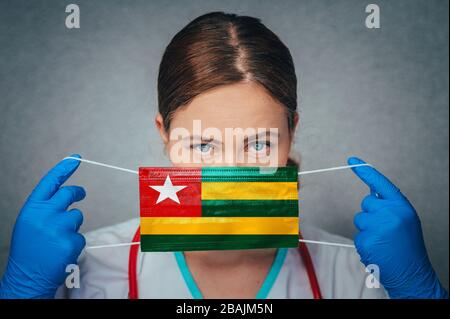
(390,236)
(45,238)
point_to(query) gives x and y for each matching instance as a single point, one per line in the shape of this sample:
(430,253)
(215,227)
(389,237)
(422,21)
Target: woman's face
(232,125)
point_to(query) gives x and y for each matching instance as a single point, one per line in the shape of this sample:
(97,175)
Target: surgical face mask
(214,208)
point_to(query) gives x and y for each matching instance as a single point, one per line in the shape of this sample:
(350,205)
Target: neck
(216,258)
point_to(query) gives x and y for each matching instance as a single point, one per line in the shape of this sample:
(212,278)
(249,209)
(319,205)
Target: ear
(159,122)
(295,124)
(296,121)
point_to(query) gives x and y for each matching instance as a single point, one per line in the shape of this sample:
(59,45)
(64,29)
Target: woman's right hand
(45,238)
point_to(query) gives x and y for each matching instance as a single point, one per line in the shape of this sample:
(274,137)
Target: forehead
(243,105)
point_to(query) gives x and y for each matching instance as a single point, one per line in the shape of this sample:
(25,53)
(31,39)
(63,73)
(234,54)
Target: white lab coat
(104,272)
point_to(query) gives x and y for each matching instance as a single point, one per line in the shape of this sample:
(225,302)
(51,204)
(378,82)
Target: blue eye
(204,147)
(258,146)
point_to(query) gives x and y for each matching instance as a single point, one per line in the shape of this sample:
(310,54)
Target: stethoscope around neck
(133,292)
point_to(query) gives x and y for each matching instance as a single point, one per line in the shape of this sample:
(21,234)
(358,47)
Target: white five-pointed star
(168,190)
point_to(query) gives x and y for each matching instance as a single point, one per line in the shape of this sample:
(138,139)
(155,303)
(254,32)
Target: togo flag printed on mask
(212,208)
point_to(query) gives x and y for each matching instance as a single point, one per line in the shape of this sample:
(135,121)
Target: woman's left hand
(390,236)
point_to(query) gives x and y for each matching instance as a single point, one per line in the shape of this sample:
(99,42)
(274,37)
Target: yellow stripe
(249,190)
(219,225)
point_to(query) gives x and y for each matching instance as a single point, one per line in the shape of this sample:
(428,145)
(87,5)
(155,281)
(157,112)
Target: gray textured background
(379,94)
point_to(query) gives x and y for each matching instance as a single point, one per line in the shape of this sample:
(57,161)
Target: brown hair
(221,48)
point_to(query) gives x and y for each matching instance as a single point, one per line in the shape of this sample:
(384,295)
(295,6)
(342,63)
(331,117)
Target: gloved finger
(70,220)
(50,183)
(75,218)
(363,220)
(360,241)
(66,196)
(376,181)
(370,203)
(78,242)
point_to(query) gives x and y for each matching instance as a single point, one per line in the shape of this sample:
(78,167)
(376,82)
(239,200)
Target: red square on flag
(170,192)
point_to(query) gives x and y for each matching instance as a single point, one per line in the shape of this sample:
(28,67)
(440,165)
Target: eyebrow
(268,133)
(198,137)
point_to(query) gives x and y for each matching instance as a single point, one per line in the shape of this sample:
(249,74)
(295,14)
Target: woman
(227,71)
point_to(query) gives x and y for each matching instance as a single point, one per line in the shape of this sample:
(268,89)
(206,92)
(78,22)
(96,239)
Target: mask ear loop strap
(102,164)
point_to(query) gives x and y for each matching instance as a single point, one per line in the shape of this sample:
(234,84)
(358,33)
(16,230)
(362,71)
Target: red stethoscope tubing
(134,251)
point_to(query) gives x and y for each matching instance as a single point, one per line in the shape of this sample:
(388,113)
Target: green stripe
(249,174)
(215,242)
(249,208)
